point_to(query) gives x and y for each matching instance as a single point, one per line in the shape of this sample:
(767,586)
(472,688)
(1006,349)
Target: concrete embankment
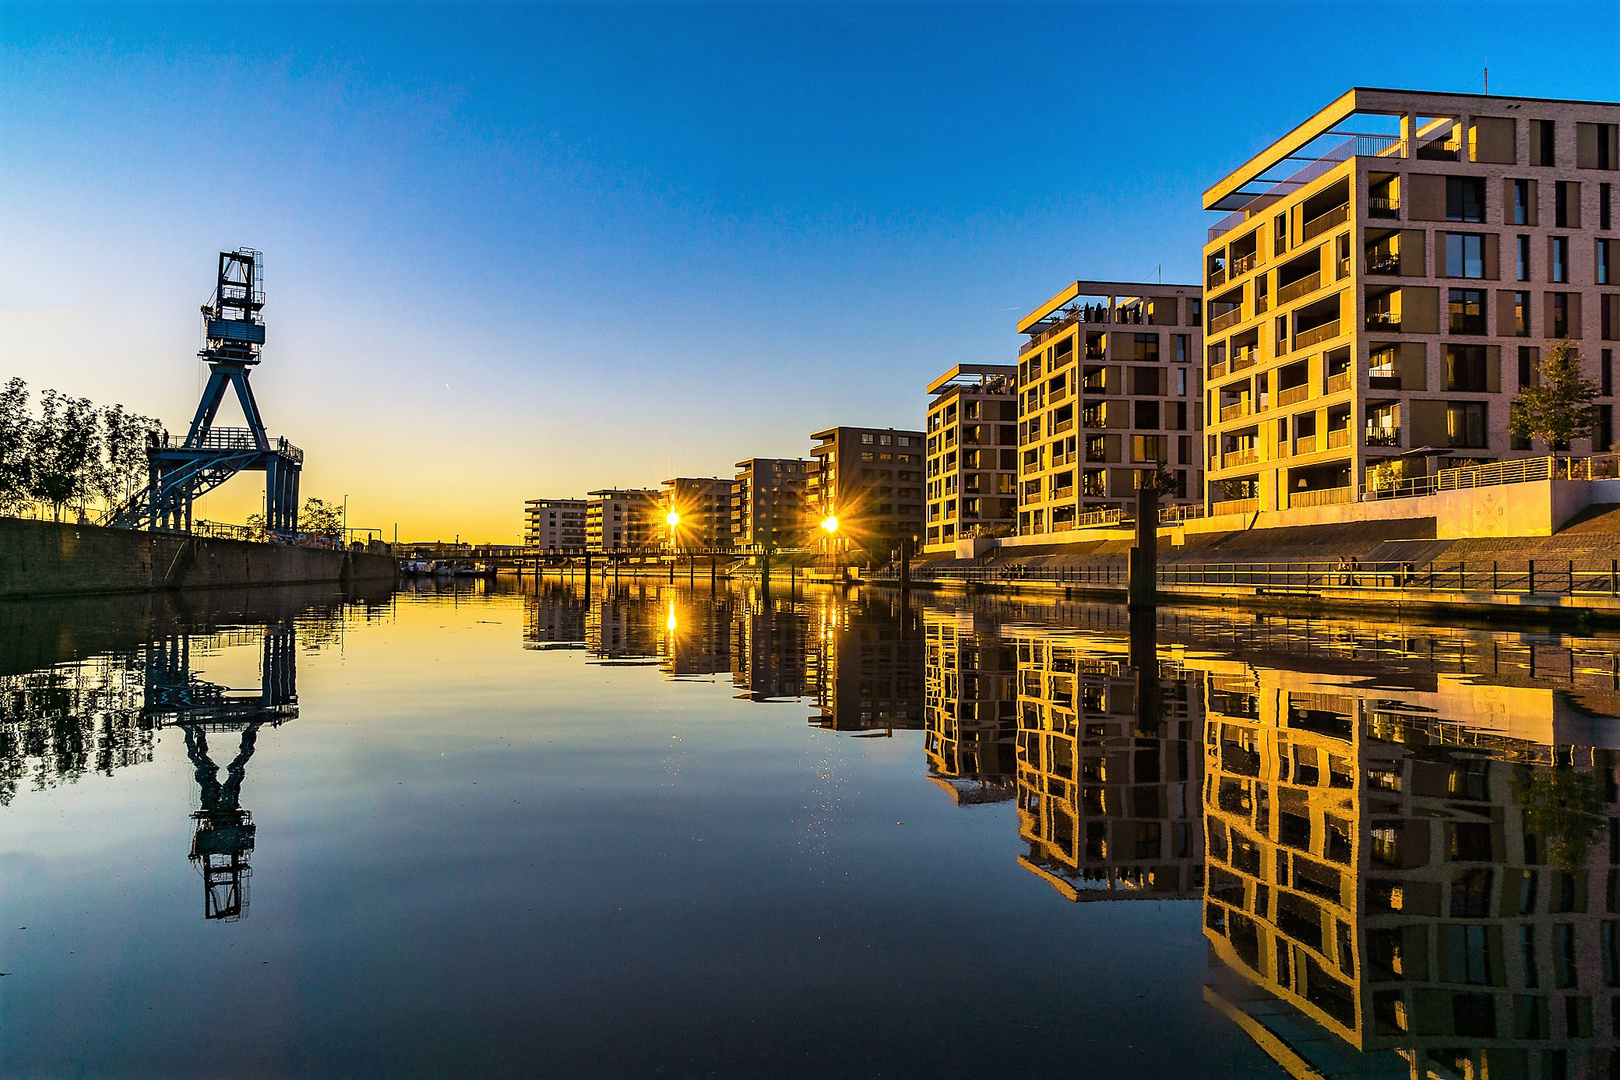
(44,558)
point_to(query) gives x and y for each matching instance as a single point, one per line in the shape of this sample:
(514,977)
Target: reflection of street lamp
(831,525)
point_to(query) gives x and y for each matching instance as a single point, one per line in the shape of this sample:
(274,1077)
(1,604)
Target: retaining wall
(45,558)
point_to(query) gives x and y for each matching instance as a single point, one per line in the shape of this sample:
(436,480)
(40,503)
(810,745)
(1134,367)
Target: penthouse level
(1385,279)
(1108,388)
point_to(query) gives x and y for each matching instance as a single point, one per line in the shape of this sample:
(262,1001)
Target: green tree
(16,438)
(1564,808)
(1559,408)
(320,518)
(65,451)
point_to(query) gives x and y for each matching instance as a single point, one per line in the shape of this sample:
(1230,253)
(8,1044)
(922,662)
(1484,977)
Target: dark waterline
(669,832)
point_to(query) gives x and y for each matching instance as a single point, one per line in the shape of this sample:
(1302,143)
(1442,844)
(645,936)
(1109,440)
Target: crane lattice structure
(234,330)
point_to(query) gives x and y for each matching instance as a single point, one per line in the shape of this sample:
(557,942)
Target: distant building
(871,480)
(625,521)
(1385,279)
(768,503)
(704,506)
(554,525)
(1108,386)
(972,452)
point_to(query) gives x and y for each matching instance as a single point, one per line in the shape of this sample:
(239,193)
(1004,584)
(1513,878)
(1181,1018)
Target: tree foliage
(1562,807)
(1559,408)
(65,451)
(70,453)
(320,518)
(16,437)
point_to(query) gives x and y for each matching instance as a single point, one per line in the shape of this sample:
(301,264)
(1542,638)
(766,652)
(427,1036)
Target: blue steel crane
(233,327)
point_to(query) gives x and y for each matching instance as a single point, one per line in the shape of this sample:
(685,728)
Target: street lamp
(831,525)
(345,520)
(674,519)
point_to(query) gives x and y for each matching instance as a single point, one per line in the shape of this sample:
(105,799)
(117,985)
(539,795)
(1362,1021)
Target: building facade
(626,521)
(768,505)
(972,453)
(1108,389)
(704,506)
(871,481)
(1372,312)
(554,525)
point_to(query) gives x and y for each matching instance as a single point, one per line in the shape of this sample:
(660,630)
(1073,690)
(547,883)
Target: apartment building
(627,521)
(1108,389)
(704,506)
(867,665)
(554,525)
(768,505)
(972,453)
(1385,279)
(968,707)
(871,481)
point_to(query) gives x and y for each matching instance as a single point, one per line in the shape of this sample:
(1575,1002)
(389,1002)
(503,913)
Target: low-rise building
(703,506)
(623,520)
(972,453)
(768,505)
(1108,385)
(871,481)
(554,525)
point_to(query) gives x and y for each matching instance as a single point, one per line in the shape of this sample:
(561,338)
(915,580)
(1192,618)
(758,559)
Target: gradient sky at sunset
(529,250)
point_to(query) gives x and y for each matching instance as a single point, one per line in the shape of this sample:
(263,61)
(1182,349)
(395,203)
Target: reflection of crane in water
(174,697)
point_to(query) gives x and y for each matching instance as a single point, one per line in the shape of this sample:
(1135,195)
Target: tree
(16,437)
(124,439)
(1560,407)
(65,450)
(1562,807)
(320,518)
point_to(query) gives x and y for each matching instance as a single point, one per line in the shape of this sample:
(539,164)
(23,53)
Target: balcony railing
(1217,369)
(1217,277)
(1233,458)
(1320,497)
(1321,223)
(1383,436)
(1305,444)
(1317,334)
(1225,319)
(1385,321)
(1291,395)
(1383,262)
(1245,358)
(1338,384)
(1338,437)
(1242,264)
(1234,506)
(1296,289)
(1383,207)
(1232,412)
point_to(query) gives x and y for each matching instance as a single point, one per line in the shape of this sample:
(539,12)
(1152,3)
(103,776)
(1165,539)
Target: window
(1605,275)
(1521,314)
(1467,309)
(1469,956)
(1181,382)
(885,440)
(1465,198)
(1147,449)
(1606,373)
(1527,365)
(1182,341)
(1560,258)
(1147,415)
(1465,423)
(1544,130)
(1196,307)
(1465,368)
(866,439)
(1565,194)
(1560,315)
(1524,258)
(1279,232)
(1603,206)
(1465,255)
(1521,202)
(1147,347)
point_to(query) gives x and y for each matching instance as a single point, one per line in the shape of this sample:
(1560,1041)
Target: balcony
(1338,437)
(1321,223)
(1338,384)
(1317,334)
(1245,358)
(1063,425)
(1293,395)
(1320,497)
(1217,277)
(1233,458)
(1383,436)
(1217,369)
(1383,207)
(1388,322)
(1232,412)
(1296,289)
(1225,320)
(1234,506)
(1305,444)
(1242,264)
(1383,262)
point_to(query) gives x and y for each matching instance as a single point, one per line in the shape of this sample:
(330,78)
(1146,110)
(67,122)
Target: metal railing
(1317,334)
(1232,412)
(1519,471)
(1383,207)
(1321,223)
(1338,384)
(1234,506)
(1288,395)
(1180,512)
(1225,319)
(1321,497)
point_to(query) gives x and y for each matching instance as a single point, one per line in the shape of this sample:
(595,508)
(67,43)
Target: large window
(1465,255)
(1465,423)
(1524,258)
(1521,314)
(1465,198)
(1467,311)
(1560,258)
(1465,367)
(1521,202)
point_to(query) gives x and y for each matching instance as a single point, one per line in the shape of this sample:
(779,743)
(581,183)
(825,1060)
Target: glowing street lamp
(831,525)
(674,519)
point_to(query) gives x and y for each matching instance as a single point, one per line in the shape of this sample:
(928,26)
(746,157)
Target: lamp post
(674,519)
(831,525)
(345,520)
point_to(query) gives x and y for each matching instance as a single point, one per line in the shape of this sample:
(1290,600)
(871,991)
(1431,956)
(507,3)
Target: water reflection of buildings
(968,708)
(1108,775)
(554,617)
(770,641)
(1412,877)
(868,664)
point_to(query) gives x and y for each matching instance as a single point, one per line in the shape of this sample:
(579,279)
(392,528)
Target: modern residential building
(703,504)
(972,453)
(554,525)
(623,520)
(1385,279)
(1108,389)
(768,503)
(968,707)
(866,660)
(871,481)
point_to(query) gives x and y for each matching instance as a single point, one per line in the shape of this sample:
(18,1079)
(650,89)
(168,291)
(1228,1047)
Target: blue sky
(525,250)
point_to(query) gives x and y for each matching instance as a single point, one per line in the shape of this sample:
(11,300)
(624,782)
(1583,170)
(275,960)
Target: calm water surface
(658,831)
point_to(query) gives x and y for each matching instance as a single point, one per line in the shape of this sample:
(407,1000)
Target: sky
(528,250)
